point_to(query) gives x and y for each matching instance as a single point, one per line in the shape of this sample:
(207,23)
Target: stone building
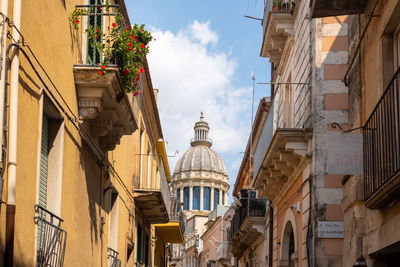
(291,160)
(200,182)
(78,161)
(371,198)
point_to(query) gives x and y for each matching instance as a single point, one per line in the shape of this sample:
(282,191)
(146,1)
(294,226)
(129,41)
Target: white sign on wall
(345,153)
(328,229)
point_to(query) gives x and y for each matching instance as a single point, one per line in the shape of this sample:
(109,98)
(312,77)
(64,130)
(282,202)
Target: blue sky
(202,59)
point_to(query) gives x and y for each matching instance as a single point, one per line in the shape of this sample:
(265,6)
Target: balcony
(51,238)
(172,232)
(222,253)
(104,109)
(328,8)
(113,258)
(278,30)
(247,225)
(153,198)
(381,134)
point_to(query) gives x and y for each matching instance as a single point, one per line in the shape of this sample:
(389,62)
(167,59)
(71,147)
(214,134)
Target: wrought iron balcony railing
(113,258)
(51,239)
(381,134)
(176,213)
(96,16)
(251,207)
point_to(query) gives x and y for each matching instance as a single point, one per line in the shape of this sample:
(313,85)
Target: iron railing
(222,251)
(113,258)
(176,213)
(51,239)
(251,207)
(96,16)
(381,138)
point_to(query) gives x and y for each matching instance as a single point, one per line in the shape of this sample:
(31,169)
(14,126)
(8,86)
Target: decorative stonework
(107,118)
(280,28)
(289,147)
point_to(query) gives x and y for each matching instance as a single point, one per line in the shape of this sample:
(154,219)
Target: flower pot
(276,8)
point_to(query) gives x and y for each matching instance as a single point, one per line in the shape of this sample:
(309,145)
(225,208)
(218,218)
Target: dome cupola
(201,129)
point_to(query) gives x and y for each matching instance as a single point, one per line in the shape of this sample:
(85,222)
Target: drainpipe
(4,11)
(12,153)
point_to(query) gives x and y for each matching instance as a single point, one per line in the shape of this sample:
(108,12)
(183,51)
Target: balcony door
(95,20)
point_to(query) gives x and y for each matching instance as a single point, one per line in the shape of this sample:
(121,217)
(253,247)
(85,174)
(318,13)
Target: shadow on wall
(94,188)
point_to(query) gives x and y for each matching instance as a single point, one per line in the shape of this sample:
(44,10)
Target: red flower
(114,25)
(126,72)
(97,37)
(127,26)
(99,8)
(133,37)
(129,49)
(135,93)
(97,29)
(103,67)
(77,21)
(101,72)
(141,70)
(126,30)
(130,43)
(141,30)
(142,46)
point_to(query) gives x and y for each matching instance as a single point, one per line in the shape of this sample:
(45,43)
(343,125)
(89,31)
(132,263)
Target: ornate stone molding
(107,119)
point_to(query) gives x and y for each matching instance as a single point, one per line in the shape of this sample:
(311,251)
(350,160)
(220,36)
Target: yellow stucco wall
(84,205)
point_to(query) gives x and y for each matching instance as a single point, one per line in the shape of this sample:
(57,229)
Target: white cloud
(203,33)
(193,77)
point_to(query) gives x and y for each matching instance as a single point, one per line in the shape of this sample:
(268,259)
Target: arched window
(223,198)
(186,198)
(178,195)
(206,198)
(196,198)
(216,197)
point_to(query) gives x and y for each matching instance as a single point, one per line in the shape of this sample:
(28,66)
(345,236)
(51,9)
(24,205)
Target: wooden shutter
(44,153)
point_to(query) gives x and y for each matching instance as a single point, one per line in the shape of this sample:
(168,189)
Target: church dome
(200,160)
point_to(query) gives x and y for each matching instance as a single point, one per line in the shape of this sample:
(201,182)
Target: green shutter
(139,243)
(44,152)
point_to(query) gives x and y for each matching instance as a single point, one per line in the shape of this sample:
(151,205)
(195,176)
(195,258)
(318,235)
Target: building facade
(371,199)
(80,157)
(200,182)
(292,161)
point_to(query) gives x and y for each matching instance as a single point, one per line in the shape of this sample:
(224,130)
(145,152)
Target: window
(141,156)
(206,198)
(50,163)
(94,20)
(149,163)
(196,198)
(178,195)
(139,243)
(186,198)
(113,232)
(223,198)
(216,197)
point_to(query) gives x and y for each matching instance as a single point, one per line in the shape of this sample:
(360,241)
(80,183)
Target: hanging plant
(124,46)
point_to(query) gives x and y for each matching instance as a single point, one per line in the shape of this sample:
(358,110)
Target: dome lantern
(201,129)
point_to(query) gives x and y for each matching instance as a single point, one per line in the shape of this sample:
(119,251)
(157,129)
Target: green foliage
(123,45)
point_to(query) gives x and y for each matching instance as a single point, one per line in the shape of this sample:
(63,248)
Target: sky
(202,59)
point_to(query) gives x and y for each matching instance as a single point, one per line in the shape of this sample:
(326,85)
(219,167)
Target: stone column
(220,196)
(212,198)
(191,198)
(201,197)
